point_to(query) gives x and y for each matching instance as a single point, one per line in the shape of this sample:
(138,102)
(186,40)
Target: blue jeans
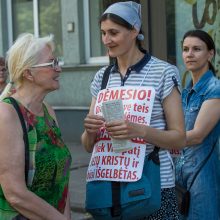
(205,191)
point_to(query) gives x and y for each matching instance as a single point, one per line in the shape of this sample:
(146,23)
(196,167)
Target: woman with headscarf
(135,71)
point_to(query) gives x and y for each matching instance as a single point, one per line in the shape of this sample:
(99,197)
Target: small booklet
(113,110)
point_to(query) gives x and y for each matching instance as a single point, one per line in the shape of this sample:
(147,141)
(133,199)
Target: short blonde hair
(22,55)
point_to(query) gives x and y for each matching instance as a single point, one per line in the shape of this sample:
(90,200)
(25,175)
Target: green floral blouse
(49,165)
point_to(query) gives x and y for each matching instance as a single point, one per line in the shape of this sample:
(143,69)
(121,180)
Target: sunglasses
(54,64)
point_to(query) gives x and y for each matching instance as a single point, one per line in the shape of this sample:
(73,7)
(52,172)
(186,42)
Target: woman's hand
(93,123)
(123,129)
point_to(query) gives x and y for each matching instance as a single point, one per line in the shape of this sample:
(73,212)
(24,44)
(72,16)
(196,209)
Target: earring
(140,37)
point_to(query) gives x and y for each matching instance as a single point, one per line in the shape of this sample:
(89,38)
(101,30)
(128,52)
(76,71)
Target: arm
(67,211)
(12,170)
(203,124)
(92,124)
(173,137)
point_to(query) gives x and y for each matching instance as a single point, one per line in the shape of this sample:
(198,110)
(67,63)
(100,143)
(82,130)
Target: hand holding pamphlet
(113,110)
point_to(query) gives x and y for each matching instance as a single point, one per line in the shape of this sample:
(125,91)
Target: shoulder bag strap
(106,77)
(116,188)
(25,135)
(203,164)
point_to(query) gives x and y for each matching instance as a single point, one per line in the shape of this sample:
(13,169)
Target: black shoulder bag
(25,136)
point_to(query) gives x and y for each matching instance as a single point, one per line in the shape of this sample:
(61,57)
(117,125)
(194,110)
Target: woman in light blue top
(201,105)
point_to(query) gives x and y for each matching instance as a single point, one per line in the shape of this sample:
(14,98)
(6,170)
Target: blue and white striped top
(149,71)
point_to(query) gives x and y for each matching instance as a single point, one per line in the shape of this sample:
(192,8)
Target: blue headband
(129,11)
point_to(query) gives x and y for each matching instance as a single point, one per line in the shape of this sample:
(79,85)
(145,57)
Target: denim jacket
(208,87)
(206,186)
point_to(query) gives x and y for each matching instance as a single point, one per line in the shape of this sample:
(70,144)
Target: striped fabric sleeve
(169,79)
(96,82)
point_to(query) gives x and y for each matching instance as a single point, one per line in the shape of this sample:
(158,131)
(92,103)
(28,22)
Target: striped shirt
(149,71)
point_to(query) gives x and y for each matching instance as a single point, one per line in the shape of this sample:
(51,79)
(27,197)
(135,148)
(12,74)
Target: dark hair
(2,61)
(206,38)
(120,21)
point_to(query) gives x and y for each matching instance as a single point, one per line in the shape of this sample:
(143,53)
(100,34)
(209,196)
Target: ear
(134,33)
(27,75)
(211,55)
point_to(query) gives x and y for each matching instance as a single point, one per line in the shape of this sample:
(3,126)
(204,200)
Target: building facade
(74,23)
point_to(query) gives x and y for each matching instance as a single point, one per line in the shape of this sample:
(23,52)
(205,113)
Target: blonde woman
(44,195)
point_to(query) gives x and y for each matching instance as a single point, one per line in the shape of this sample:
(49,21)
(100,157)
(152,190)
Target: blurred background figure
(3,74)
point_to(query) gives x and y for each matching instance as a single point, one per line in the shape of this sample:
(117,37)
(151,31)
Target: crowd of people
(34,180)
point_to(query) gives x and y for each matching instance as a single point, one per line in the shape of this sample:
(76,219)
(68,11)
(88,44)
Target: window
(21,10)
(94,49)
(39,17)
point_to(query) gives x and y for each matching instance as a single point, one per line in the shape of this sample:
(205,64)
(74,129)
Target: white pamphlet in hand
(113,110)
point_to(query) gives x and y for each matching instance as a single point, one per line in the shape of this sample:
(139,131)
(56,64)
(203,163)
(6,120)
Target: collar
(201,83)
(136,67)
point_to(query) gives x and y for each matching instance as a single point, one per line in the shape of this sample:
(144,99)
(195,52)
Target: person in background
(35,71)
(201,105)
(3,74)
(134,66)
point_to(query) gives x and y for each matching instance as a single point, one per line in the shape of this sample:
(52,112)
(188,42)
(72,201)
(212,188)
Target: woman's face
(196,55)
(46,77)
(3,74)
(117,39)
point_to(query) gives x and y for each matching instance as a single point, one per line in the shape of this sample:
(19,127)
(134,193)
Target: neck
(32,101)
(129,59)
(197,75)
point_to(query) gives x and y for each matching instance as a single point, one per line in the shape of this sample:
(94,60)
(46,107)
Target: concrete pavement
(80,161)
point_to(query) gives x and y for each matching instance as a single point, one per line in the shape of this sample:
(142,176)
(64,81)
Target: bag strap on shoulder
(106,77)
(116,189)
(25,135)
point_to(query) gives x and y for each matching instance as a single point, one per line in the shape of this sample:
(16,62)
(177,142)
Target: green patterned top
(49,163)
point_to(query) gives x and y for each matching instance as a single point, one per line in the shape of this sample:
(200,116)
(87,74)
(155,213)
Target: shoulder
(8,116)
(163,70)
(163,65)
(7,111)
(213,88)
(166,74)
(50,110)
(99,74)
(97,81)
